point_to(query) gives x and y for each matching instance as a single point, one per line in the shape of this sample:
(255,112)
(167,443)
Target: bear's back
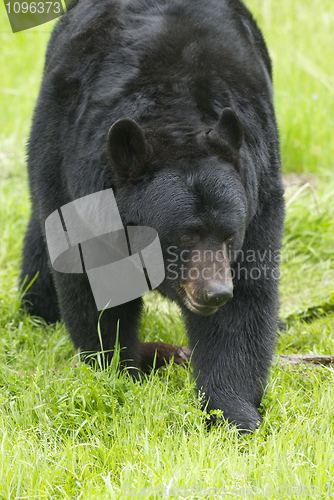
(147,41)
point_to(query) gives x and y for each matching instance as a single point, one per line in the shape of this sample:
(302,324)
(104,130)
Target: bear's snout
(208,284)
(207,300)
(217,294)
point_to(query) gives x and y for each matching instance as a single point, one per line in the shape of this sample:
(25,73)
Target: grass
(308,265)
(300,38)
(67,431)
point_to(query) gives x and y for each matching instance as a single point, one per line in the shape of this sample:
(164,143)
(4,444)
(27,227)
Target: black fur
(203,178)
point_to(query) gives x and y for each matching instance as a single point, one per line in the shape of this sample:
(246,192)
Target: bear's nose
(217,294)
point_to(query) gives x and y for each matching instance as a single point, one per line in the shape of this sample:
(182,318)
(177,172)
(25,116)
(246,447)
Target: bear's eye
(187,240)
(230,239)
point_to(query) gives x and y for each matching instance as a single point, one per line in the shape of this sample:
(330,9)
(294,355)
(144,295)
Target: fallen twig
(304,359)
(181,355)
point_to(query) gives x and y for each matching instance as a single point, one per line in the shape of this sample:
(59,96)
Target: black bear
(170,104)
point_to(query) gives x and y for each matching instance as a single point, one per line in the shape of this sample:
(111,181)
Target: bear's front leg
(82,319)
(40,297)
(232,352)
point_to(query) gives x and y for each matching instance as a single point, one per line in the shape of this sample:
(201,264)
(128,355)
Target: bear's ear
(127,148)
(228,129)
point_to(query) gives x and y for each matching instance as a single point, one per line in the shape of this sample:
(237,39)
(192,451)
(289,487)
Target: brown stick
(165,352)
(304,359)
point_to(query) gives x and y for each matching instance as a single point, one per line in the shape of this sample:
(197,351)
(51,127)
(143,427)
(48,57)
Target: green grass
(308,251)
(300,38)
(67,431)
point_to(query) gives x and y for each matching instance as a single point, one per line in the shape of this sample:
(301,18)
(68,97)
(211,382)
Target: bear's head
(187,186)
